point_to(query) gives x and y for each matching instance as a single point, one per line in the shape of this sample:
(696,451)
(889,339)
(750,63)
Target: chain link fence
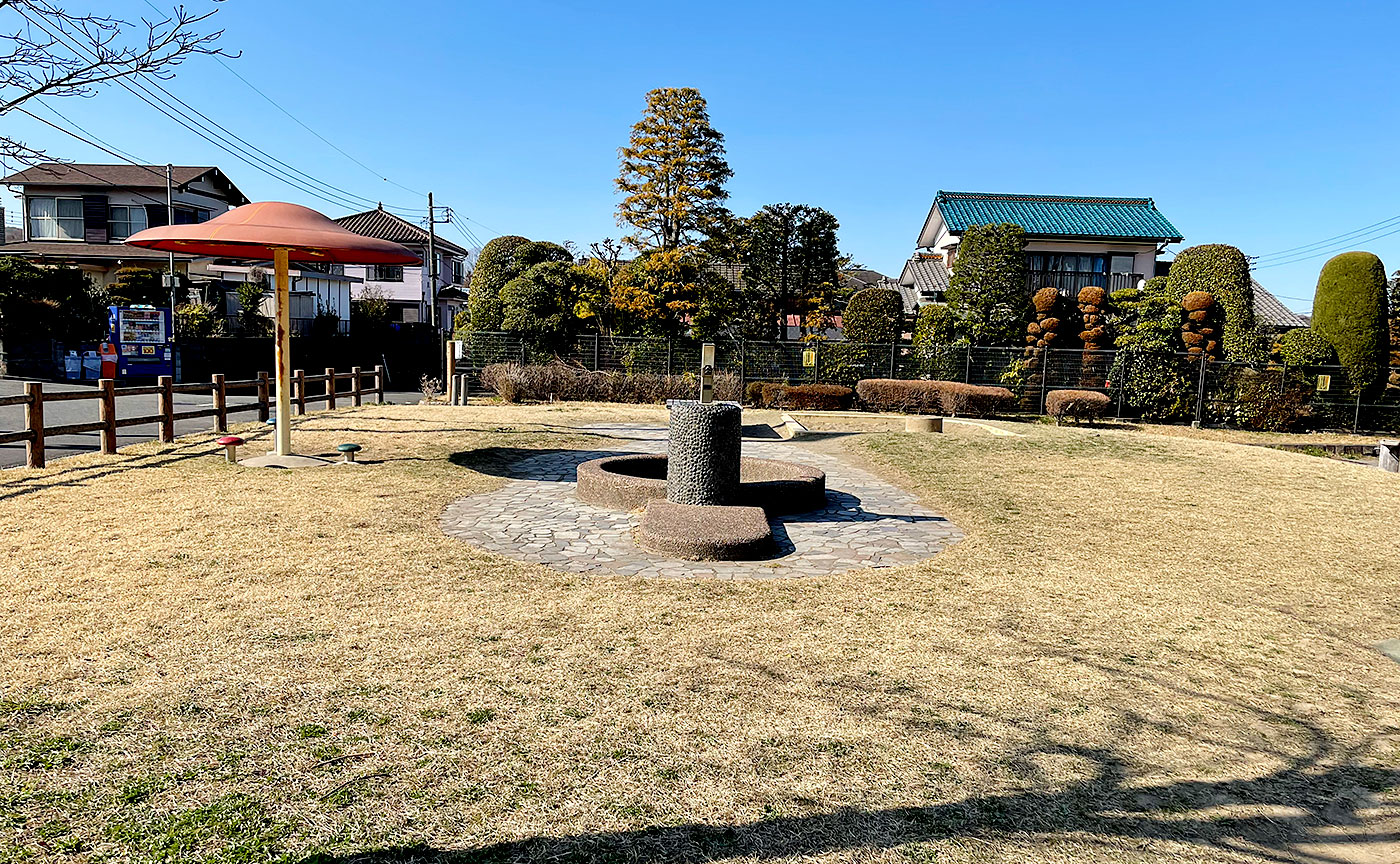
(1212,392)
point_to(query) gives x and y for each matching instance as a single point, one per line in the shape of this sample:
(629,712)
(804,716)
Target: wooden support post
(165,407)
(299,388)
(264,406)
(357,389)
(34,424)
(107,413)
(379,384)
(220,403)
(451,372)
(330,388)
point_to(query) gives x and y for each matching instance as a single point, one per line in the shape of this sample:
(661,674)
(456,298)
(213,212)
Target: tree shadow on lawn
(1302,801)
(525,463)
(1318,807)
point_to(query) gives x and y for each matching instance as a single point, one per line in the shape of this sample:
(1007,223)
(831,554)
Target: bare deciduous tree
(46,50)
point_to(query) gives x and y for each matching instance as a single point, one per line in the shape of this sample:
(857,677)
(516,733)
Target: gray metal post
(1356,418)
(894,357)
(1201,390)
(595,352)
(967,373)
(1044,374)
(668,356)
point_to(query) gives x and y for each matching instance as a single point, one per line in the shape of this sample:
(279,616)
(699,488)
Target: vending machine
(140,339)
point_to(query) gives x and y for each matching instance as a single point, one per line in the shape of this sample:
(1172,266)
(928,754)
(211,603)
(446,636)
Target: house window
(124,220)
(55,218)
(1066,273)
(459,271)
(386,273)
(190,215)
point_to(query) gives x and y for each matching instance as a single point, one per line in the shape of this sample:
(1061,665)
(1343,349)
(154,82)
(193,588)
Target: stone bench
(1388,455)
(705,532)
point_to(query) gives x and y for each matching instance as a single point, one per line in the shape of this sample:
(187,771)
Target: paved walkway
(535,517)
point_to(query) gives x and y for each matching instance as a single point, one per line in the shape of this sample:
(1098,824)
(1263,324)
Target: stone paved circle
(536,518)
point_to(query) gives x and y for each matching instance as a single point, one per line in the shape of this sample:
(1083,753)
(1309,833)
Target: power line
(298,120)
(1321,252)
(1350,235)
(329,193)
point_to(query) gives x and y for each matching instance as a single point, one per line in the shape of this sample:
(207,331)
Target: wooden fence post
(357,390)
(264,402)
(330,388)
(34,424)
(220,403)
(165,406)
(379,384)
(107,412)
(299,390)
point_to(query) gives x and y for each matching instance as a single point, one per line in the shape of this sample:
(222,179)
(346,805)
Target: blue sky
(1265,125)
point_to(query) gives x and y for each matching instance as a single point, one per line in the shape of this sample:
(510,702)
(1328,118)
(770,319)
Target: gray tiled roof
(927,276)
(1269,311)
(68,250)
(123,176)
(384,225)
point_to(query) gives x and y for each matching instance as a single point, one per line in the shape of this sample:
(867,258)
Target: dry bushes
(566,383)
(922,397)
(800,397)
(1075,405)
(1201,328)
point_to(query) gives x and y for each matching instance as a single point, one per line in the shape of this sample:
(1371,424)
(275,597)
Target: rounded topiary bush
(1349,311)
(1223,272)
(1304,346)
(1076,405)
(1200,330)
(495,266)
(1045,299)
(873,314)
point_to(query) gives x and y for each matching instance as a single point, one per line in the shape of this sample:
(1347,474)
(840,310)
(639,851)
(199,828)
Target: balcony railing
(1069,284)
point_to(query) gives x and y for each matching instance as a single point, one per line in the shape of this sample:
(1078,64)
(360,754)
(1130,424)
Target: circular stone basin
(629,482)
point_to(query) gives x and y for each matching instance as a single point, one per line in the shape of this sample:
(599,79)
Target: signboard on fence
(809,357)
(1324,383)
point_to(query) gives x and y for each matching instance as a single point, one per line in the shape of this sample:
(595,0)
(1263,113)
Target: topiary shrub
(1076,405)
(566,382)
(495,266)
(1349,311)
(1222,272)
(1304,346)
(922,397)
(875,315)
(1199,332)
(800,397)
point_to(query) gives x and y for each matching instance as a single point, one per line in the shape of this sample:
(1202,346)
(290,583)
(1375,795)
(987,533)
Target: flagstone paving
(535,517)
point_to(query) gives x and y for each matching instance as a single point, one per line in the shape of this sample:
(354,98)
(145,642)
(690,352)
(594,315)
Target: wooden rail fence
(34,399)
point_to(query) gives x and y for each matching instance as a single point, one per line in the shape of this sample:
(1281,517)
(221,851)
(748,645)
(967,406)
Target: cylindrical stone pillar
(702,455)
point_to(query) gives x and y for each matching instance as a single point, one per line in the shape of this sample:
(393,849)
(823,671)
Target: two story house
(1071,242)
(79,214)
(408,289)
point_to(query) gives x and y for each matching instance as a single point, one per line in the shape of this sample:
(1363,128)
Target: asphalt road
(85,411)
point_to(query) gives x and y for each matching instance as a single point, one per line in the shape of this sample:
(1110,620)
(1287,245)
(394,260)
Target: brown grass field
(1149,648)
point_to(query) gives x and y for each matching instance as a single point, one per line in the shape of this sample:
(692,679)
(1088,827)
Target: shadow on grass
(1300,802)
(526,463)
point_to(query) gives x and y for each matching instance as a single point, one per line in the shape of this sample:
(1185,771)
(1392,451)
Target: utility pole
(170,280)
(432,267)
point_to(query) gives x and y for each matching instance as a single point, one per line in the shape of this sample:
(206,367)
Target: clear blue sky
(1265,125)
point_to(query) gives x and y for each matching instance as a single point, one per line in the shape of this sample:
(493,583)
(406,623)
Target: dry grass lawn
(1148,648)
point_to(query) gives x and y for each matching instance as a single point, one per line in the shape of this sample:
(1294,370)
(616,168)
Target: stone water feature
(703,500)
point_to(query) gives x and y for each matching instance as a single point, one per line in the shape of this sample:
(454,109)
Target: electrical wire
(328,193)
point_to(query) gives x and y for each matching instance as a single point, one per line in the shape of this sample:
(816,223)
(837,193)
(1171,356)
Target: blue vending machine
(140,338)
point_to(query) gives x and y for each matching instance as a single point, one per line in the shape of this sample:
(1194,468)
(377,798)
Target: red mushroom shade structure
(277,232)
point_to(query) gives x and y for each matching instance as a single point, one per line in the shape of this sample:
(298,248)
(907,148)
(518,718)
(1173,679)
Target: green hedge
(495,266)
(1223,272)
(1304,346)
(1349,311)
(874,315)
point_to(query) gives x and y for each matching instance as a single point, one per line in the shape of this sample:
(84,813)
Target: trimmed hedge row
(802,397)
(1076,405)
(539,382)
(921,397)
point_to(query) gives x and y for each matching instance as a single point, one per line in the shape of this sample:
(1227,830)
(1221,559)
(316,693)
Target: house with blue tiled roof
(1071,241)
